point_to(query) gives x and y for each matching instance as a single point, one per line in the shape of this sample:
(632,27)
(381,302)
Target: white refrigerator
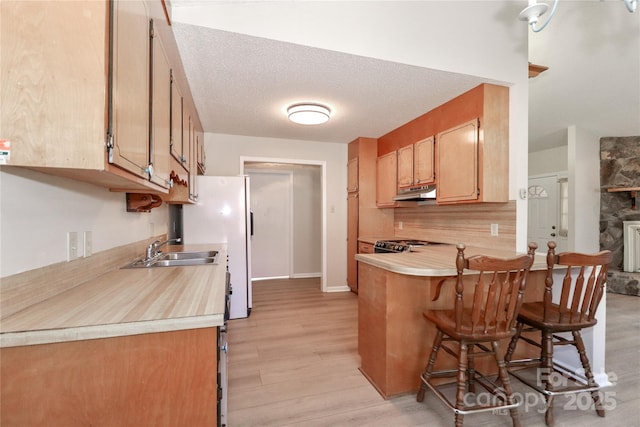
(222,215)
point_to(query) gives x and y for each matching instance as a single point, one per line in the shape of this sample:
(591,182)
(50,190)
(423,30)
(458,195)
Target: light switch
(88,243)
(72,245)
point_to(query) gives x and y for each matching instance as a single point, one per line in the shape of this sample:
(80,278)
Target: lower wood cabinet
(167,378)
(394,340)
(365,248)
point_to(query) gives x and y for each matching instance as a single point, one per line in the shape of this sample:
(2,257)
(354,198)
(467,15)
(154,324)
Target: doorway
(271,205)
(305,229)
(547,211)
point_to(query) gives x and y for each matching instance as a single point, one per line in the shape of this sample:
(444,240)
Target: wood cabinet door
(160,113)
(405,166)
(423,161)
(365,248)
(352,175)
(52,63)
(386,179)
(352,241)
(130,90)
(177,147)
(458,163)
(199,135)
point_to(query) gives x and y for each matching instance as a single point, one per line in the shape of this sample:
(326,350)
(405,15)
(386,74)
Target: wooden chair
(575,308)
(487,317)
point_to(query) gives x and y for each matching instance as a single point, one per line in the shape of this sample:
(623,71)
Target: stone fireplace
(619,171)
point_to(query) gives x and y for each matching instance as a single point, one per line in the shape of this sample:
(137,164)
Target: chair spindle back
(583,284)
(498,291)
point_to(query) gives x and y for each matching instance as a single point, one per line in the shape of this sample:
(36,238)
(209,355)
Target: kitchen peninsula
(128,347)
(394,289)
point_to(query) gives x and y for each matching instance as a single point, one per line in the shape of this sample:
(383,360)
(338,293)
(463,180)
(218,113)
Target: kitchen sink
(187,255)
(177,259)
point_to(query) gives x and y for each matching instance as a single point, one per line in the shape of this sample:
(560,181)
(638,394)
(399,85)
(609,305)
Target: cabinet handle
(149,170)
(553,234)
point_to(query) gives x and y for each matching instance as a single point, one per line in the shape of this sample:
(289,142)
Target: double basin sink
(177,259)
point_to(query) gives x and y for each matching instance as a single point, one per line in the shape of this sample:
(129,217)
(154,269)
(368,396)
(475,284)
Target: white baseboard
(257,279)
(344,288)
(305,275)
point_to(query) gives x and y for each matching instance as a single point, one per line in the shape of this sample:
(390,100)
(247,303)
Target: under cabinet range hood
(420,194)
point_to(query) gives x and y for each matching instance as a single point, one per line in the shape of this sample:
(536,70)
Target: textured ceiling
(243,84)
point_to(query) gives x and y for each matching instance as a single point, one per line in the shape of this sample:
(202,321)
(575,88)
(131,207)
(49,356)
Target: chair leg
(577,337)
(546,365)
(461,381)
(506,384)
(471,370)
(513,342)
(426,375)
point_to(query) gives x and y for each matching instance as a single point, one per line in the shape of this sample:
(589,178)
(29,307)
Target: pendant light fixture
(535,10)
(308,114)
(631,5)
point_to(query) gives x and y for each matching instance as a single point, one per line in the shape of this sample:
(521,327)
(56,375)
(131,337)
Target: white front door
(271,206)
(544,213)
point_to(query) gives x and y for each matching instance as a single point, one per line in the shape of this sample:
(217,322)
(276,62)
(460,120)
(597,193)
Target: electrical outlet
(72,245)
(88,243)
(400,225)
(494,229)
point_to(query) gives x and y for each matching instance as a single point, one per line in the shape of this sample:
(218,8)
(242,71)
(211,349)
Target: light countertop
(436,260)
(126,302)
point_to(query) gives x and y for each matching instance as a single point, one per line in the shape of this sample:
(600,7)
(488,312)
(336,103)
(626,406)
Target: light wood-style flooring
(294,362)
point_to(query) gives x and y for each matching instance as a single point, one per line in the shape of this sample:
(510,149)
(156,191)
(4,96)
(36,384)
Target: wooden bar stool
(489,316)
(580,293)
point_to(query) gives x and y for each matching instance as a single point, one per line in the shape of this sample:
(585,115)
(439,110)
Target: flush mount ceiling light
(308,114)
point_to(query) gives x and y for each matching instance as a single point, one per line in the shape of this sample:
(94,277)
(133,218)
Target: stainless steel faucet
(152,249)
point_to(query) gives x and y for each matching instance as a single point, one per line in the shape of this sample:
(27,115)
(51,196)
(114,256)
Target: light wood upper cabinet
(386,179)
(473,156)
(458,163)
(199,134)
(130,90)
(53,80)
(89,101)
(423,162)
(352,175)
(416,164)
(160,112)
(177,143)
(405,166)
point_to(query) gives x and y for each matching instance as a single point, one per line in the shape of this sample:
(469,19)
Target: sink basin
(181,262)
(177,259)
(188,255)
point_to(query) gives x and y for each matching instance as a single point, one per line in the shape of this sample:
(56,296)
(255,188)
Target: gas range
(396,246)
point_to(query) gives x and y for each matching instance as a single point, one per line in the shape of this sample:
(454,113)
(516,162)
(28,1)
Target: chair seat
(445,320)
(532,314)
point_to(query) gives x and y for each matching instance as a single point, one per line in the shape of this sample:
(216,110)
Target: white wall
(37,211)
(584,190)
(482,38)
(553,160)
(584,231)
(223,158)
(307,221)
